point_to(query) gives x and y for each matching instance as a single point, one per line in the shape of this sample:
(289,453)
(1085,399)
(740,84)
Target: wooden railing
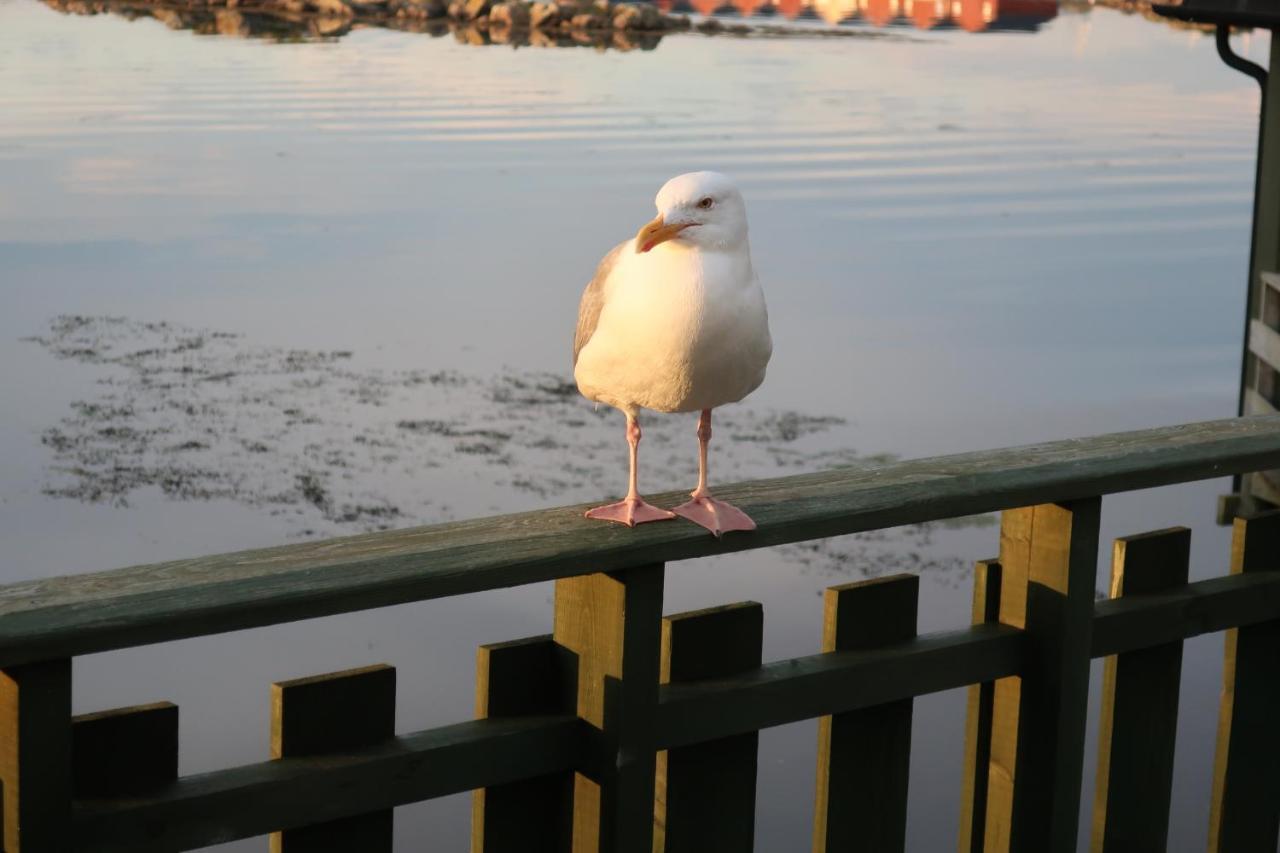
(628,731)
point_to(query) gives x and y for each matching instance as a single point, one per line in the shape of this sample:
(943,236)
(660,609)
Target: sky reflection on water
(966,242)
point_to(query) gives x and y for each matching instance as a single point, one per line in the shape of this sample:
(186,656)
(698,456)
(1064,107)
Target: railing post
(1139,719)
(35,756)
(1244,813)
(706,793)
(515,679)
(977,732)
(1048,560)
(337,712)
(125,751)
(611,621)
(864,756)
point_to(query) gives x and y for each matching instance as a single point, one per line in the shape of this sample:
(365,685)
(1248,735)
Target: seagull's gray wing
(593,301)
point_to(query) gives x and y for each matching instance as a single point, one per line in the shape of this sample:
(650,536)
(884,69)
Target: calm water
(367,253)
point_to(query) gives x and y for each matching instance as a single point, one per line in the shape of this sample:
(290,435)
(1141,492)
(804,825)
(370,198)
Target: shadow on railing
(623,726)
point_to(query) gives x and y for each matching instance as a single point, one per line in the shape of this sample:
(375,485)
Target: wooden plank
(1270,313)
(705,796)
(149,604)
(335,713)
(1256,404)
(125,751)
(787,691)
(977,735)
(1048,557)
(1202,607)
(864,756)
(256,799)
(612,622)
(1244,811)
(1264,342)
(802,688)
(521,678)
(35,756)
(1139,719)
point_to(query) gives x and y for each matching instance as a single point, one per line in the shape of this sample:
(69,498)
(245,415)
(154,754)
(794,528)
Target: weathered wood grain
(977,733)
(124,751)
(334,713)
(612,622)
(705,796)
(256,799)
(1048,561)
(864,755)
(1139,718)
(1244,812)
(515,679)
(149,604)
(35,756)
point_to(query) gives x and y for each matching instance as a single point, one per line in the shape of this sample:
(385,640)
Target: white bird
(675,321)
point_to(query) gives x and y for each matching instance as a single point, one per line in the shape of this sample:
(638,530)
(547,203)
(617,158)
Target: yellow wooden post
(611,621)
(1048,557)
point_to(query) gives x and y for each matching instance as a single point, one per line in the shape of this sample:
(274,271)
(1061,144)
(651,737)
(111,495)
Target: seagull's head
(698,209)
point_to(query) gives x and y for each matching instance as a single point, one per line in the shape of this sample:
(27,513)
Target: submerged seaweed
(329,446)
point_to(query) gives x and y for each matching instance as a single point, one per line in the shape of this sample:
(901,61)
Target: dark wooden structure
(623,726)
(1260,358)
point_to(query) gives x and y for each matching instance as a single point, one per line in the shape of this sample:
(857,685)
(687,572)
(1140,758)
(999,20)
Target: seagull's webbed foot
(717,516)
(630,511)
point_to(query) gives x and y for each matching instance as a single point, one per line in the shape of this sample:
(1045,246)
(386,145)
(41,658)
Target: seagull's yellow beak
(657,232)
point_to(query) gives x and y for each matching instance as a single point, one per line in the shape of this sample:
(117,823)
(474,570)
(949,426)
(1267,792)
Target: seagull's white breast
(681,329)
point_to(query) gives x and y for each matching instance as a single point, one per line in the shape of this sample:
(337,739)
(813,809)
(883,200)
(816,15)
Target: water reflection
(282,24)
(285,26)
(969,15)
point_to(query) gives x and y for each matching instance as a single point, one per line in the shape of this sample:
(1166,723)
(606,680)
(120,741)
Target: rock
(469,10)
(170,18)
(510,14)
(639,16)
(471,34)
(330,25)
(334,8)
(230,23)
(651,18)
(544,15)
(626,16)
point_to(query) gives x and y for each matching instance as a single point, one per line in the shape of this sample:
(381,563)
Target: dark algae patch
(329,446)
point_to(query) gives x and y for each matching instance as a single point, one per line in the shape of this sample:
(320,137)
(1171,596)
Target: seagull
(675,321)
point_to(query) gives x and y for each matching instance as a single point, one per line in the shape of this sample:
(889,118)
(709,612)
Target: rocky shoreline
(599,24)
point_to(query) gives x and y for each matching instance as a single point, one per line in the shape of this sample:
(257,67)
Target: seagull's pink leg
(632,509)
(715,515)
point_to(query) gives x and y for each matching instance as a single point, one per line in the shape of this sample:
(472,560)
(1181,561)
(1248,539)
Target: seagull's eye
(707,203)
